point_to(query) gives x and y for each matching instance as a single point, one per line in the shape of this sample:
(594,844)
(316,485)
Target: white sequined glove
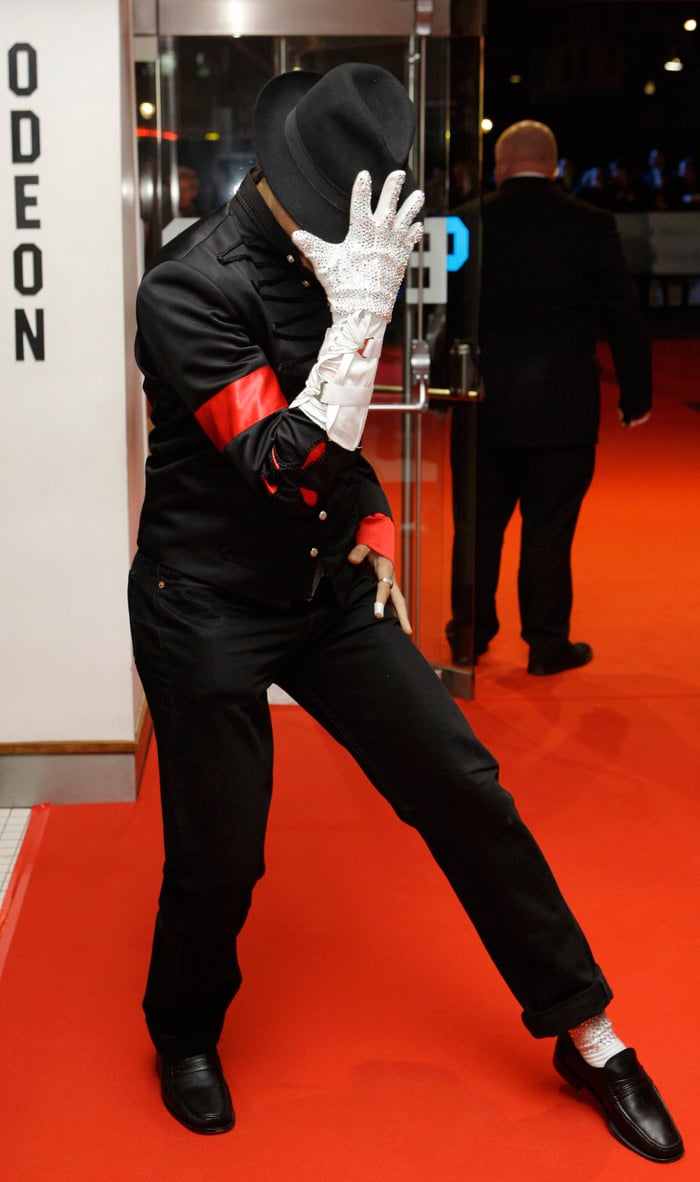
(364,272)
(361,277)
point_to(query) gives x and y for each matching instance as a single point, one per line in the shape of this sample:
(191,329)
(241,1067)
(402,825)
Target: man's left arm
(625,327)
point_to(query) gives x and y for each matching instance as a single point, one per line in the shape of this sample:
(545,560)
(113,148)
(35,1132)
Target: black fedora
(313,133)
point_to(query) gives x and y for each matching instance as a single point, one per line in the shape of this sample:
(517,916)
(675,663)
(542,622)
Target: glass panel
(198,140)
(148,142)
(446,588)
(457,369)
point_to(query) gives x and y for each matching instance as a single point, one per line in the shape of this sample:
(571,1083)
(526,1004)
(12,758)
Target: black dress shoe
(461,640)
(635,1112)
(195,1092)
(558,660)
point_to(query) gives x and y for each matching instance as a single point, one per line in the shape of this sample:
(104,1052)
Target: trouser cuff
(569,1013)
(196,1041)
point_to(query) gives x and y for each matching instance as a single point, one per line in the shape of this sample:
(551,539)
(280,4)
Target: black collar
(263,219)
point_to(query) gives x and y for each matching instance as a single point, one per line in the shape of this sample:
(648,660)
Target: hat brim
(326,218)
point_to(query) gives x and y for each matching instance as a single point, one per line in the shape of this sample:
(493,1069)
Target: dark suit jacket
(553,278)
(242,492)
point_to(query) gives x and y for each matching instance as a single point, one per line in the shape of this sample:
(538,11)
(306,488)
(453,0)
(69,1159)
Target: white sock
(596,1041)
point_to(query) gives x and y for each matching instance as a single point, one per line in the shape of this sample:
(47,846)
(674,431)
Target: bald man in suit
(553,277)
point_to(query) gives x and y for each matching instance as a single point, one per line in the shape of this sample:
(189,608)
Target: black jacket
(553,278)
(242,492)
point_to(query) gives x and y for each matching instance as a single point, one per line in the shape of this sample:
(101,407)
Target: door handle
(420,376)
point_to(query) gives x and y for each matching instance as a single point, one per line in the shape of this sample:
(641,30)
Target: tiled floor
(13,823)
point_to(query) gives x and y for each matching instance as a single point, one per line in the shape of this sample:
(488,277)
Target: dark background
(583,67)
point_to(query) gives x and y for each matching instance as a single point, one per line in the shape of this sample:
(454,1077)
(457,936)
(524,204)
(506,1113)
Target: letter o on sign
(23,71)
(28,278)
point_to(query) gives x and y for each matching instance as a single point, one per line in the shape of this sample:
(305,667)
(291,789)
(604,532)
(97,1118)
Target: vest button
(313,552)
(322,515)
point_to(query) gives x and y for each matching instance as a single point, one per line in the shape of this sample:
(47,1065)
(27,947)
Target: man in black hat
(265,556)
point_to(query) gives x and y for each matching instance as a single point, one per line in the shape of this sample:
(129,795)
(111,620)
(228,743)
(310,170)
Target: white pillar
(72,424)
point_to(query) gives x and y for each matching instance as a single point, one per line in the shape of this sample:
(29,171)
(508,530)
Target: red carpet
(372,1039)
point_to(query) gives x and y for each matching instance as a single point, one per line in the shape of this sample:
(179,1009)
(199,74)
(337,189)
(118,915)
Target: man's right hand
(364,272)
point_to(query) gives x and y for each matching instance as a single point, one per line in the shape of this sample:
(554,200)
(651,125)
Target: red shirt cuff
(377,532)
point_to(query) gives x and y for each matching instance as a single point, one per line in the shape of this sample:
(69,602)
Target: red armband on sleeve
(377,532)
(240,405)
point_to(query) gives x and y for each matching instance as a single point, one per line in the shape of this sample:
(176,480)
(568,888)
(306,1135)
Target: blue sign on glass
(459,234)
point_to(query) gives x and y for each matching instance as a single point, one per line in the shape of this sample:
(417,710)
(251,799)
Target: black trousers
(206,661)
(549,484)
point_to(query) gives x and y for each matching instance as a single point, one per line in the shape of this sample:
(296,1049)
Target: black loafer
(195,1092)
(635,1112)
(462,641)
(568,656)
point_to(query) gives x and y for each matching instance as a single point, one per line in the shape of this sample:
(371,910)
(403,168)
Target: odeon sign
(27,264)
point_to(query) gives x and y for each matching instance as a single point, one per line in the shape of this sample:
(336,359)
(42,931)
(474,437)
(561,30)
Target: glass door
(196,86)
